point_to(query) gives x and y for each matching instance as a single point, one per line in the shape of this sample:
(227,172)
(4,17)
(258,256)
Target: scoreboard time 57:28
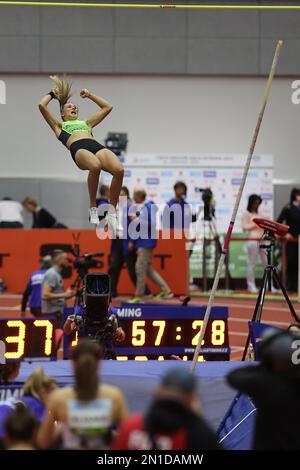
(159,331)
(152,332)
(155,331)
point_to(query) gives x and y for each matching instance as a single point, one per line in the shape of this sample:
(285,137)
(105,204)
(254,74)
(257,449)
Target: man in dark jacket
(173,421)
(41,218)
(290,215)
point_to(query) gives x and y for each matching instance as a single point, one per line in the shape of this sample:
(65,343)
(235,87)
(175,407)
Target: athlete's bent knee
(95,165)
(119,171)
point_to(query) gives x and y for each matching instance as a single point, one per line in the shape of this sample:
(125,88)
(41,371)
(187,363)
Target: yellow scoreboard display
(27,339)
(155,331)
(152,332)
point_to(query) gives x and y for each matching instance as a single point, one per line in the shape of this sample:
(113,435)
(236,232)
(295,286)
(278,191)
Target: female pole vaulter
(86,152)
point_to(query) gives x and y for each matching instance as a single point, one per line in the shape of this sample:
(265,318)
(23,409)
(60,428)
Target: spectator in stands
(33,291)
(102,406)
(177,213)
(8,375)
(41,218)
(20,429)
(53,293)
(253,247)
(143,229)
(36,391)
(11,214)
(274,387)
(173,421)
(290,215)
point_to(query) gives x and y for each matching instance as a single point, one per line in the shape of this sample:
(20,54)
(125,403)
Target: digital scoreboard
(160,331)
(27,338)
(155,331)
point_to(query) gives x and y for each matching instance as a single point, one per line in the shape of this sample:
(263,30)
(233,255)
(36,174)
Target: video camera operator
(94,317)
(53,293)
(274,387)
(71,325)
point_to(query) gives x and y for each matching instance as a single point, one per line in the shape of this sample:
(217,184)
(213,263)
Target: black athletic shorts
(87,144)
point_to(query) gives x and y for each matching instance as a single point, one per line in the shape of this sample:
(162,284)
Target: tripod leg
(204,273)
(284,291)
(267,278)
(258,306)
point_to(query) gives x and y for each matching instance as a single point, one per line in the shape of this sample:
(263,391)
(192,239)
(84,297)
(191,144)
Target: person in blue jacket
(177,213)
(33,291)
(129,246)
(143,230)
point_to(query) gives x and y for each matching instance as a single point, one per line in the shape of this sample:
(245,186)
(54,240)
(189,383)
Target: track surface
(276,312)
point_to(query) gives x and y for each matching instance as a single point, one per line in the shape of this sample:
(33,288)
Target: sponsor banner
(157,174)
(21,250)
(196,159)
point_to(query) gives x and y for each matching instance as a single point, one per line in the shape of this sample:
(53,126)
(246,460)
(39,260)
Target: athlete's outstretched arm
(97,117)
(47,115)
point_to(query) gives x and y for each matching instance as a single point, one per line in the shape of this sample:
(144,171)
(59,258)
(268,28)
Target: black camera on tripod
(83,263)
(208,200)
(95,321)
(271,230)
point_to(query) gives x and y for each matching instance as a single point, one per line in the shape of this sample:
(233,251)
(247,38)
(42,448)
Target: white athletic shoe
(252,289)
(93,215)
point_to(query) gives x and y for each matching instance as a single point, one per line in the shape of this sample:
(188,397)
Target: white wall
(160,114)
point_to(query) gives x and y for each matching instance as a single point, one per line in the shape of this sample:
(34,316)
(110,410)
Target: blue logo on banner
(196,173)
(127,173)
(166,173)
(267,196)
(236,181)
(152,180)
(210,174)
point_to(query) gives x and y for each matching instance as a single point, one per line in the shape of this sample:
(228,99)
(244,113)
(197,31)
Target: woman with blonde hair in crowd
(36,391)
(86,152)
(87,412)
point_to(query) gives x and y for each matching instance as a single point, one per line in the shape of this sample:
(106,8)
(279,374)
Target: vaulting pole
(237,203)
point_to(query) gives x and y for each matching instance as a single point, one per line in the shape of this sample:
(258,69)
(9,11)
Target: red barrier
(21,249)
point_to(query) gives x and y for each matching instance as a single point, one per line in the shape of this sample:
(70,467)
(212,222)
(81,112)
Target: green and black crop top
(70,127)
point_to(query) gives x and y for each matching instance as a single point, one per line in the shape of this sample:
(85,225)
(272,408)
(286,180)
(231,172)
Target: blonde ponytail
(37,383)
(63,89)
